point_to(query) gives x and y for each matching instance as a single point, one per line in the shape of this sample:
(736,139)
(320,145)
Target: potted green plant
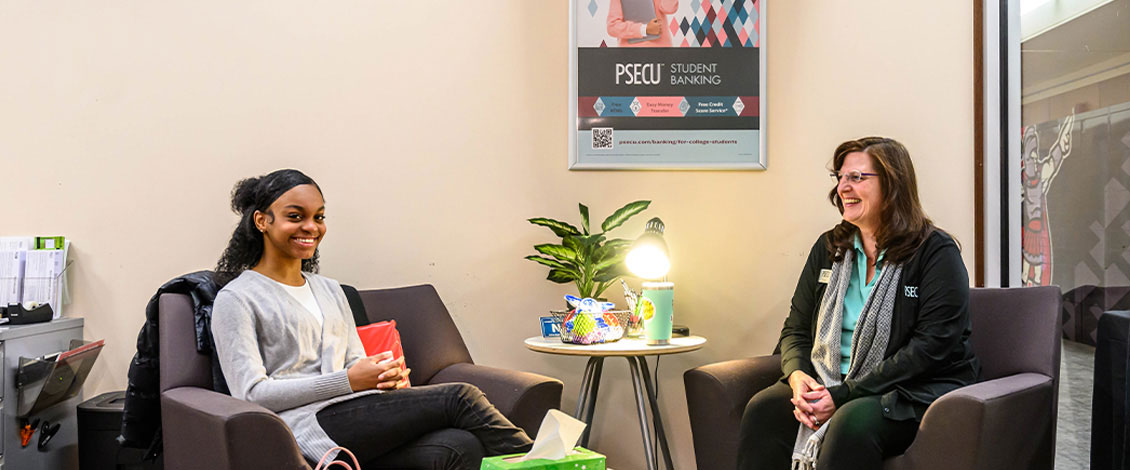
(590,260)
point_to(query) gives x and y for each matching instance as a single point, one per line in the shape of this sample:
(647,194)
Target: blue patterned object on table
(549,328)
(588,323)
(588,304)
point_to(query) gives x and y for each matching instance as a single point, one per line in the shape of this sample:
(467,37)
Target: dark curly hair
(246,244)
(903,225)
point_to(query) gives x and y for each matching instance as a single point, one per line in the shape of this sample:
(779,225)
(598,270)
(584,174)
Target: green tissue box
(580,459)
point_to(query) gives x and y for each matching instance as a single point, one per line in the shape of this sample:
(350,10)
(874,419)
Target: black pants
(444,426)
(860,437)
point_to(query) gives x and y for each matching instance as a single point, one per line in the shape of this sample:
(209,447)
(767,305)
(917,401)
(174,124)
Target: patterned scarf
(868,343)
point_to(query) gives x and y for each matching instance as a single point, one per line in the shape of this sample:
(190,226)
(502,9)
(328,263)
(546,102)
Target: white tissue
(557,436)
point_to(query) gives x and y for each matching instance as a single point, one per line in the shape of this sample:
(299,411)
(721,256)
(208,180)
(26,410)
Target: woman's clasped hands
(378,371)
(812,404)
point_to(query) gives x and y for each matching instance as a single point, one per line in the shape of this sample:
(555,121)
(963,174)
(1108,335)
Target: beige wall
(435,133)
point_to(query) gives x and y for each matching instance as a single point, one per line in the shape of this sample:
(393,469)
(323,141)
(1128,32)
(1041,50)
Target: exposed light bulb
(648,262)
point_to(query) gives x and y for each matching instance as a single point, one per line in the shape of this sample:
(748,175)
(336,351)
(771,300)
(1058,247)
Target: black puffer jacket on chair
(141,420)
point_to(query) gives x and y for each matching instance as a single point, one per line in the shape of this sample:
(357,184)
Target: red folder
(380,337)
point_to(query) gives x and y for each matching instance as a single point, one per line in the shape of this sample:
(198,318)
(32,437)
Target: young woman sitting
(287,341)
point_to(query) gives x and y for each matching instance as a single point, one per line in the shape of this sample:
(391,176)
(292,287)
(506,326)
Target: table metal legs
(645,398)
(586,401)
(648,448)
(654,408)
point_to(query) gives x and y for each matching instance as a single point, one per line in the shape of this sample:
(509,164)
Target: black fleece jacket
(928,353)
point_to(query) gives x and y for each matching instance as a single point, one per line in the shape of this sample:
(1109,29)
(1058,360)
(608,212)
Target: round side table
(634,350)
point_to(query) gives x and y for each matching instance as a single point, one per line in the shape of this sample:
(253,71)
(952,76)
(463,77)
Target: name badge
(825,276)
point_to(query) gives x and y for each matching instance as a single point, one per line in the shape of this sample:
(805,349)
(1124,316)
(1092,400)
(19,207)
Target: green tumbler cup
(657,329)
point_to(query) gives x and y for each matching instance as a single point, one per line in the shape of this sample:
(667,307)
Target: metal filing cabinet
(33,341)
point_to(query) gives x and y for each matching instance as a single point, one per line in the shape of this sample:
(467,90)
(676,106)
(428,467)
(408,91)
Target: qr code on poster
(602,138)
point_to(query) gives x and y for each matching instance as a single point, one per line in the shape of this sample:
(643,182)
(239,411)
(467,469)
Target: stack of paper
(43,273)
(31,270)
(12,250)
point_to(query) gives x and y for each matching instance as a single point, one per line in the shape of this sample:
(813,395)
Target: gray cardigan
(275,354)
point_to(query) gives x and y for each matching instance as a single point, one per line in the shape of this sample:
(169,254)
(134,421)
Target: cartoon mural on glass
(1038,169)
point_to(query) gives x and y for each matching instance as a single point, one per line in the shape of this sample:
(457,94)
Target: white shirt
(305,296)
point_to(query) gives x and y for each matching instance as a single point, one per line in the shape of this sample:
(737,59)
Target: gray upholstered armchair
(204,429)
(1007,420)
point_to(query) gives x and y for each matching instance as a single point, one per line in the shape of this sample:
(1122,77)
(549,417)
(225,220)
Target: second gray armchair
(1007,420)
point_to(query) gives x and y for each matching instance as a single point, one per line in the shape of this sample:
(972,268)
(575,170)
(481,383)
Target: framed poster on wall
(667,84)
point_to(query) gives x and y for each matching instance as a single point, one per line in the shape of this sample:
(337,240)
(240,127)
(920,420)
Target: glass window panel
(1075,174)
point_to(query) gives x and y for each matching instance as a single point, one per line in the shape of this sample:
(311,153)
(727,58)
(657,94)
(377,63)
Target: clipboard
(639,11)
(49,380)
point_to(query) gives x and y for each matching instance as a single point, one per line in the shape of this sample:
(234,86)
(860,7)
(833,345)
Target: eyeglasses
(853,176)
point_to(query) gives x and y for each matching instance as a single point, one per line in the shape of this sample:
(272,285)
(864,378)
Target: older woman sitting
(877,330)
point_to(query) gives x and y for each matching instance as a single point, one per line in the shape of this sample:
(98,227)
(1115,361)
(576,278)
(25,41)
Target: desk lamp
(648,259)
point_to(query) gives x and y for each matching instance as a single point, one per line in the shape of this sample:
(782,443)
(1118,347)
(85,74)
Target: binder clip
(27,428)
(46,432)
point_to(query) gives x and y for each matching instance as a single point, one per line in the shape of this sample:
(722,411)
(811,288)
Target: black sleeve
(796,336)
(360,317)
(942,316)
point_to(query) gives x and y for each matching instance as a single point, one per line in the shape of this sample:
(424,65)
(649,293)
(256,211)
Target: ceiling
(1100,35)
